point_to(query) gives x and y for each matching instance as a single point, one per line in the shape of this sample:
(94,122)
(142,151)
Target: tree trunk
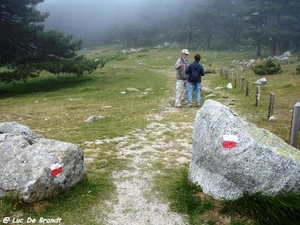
(208,41)
(149,39)
(127,41)
(273,46)
(198,42)
(258,50)
(188,42)
(189,37)
(296,47)
(284,47)
(236,37)
(134,40)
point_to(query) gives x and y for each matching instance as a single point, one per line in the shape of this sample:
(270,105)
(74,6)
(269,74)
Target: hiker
(181,77)
(195,71)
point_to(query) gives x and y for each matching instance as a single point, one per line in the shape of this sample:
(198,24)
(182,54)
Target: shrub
(298,69)
(210,70)
(267,67)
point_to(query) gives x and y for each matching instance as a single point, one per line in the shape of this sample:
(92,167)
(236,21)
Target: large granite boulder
(231,156)
(34,167)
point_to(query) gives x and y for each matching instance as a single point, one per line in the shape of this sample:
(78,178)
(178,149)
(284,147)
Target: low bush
(210,70)
(267,67)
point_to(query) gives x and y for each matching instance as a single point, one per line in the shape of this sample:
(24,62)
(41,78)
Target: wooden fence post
(231,75)
(295,128)
(271,105)
(247,87)
(257,95)
(235,78)
(242,83)
(227,74)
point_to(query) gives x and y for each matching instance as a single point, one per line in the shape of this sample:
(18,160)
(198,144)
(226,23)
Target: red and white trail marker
(229,141)
(56,169)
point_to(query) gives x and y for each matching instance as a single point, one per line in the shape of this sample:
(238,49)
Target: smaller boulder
(261,81)
(33,167)
(93,119)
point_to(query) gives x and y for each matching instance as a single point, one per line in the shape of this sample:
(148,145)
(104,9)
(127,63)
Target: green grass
(281,210)
(175,186)
(56,107)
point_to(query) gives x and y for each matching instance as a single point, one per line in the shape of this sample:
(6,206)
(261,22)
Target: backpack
(194,75)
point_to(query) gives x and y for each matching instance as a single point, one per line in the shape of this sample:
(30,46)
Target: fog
(89,20)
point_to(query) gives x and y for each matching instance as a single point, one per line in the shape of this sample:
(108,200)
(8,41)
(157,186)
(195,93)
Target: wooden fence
(232,77)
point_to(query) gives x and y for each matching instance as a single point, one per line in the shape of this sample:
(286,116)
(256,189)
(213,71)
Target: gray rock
(132,89)
(166,44)
(93,119)
(125,52)
(33,167)
(261,81)
(17,129)
(218,88)
(259,163)
(210,96)
(206,89)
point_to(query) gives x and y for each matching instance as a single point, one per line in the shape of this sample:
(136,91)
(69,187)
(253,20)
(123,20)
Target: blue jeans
(191,88)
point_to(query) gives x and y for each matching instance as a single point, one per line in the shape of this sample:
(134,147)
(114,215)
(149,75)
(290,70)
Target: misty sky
(84,19)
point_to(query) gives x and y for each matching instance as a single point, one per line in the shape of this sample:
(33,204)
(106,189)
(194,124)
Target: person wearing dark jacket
(195,71)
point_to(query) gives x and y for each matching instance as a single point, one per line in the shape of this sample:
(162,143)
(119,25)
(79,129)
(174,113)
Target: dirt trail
(136,203)
(168,143)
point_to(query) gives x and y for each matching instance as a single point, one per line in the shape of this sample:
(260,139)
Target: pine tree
(26,49)
(274,23)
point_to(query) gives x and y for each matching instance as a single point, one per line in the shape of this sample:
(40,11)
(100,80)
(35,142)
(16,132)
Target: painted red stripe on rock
(229,141)
(229,144)
(56,171)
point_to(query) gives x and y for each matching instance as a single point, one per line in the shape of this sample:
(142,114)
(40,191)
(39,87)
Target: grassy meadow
(57,107)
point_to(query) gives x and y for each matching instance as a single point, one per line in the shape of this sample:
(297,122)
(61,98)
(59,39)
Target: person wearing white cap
(181,78)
